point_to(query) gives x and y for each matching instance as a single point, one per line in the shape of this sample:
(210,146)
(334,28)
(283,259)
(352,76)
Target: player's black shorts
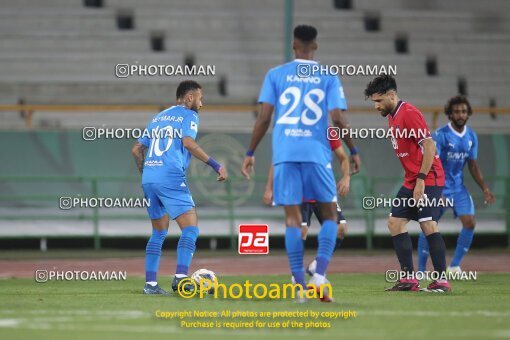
(405,208)
(307,209)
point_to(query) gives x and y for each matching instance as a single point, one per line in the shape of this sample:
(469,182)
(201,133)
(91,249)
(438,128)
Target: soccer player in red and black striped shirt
(424,181)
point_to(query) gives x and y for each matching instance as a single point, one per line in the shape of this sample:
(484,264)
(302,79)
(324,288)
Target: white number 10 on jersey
(155,148)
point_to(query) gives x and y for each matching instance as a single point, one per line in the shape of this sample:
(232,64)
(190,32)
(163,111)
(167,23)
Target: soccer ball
(205,274)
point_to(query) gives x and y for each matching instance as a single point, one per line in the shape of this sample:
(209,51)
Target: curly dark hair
(381,85)
(448,108)
(305,33)
(186,86)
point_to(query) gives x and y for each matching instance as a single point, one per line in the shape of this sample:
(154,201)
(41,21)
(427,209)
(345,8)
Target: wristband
(354,151)
(250,153)
(421,175)
(213,164)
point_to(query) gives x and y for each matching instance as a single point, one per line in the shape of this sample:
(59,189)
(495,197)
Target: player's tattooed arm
(475,171)
(138,152)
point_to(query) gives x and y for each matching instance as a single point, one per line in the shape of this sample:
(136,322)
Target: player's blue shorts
(309,208)
(295,182)
(167,199)
(419,214)
(462,203)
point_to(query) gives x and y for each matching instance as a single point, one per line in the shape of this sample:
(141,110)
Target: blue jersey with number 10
(167,160)
(302,98)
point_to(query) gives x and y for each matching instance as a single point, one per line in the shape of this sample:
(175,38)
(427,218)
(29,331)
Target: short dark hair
(448,108)
(186,86)
(381,85)
(305,33)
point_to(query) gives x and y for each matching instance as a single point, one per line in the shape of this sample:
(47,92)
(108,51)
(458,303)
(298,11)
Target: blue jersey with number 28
(302,98)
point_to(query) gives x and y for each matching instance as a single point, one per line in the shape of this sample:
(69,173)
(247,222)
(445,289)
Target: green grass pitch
(117,310)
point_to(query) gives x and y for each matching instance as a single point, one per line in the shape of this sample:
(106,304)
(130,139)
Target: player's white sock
(152,283)
(180,275)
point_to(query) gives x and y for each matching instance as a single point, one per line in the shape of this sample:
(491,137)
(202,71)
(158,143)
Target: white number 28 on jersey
(293,94)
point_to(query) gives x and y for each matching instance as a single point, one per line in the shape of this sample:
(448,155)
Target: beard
(194,108)
(384,112)
(459,123)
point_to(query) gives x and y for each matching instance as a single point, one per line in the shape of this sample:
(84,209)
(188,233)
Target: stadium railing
(231,211)
(27,111)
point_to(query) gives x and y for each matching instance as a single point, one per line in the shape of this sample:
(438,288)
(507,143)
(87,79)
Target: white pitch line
(126,313)
(17,323)
(10,322)
(505,333)
(47,323)
(142,314)
(56,323)
(485,313)
(138,313)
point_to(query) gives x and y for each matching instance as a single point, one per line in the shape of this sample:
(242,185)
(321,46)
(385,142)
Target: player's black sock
(404,249)
(437,250)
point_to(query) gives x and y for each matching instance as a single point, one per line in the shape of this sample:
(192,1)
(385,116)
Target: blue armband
(213,164)
(250,153)
(354,151)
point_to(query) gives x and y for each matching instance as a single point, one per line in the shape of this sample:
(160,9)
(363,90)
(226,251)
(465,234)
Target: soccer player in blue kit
(301,151)
(164,181)
(457,144)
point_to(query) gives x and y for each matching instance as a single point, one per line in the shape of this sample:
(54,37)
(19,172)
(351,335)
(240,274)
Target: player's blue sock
(463,244)
(327,240)
(423,252)
(153,254)
(185,249)
(295,249)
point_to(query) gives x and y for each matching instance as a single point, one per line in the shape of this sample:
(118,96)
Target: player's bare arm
(341,122)
(259,130)
(138,152)
(268,192)
(200,154)
(476,173)
(343,186)
(429,152)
